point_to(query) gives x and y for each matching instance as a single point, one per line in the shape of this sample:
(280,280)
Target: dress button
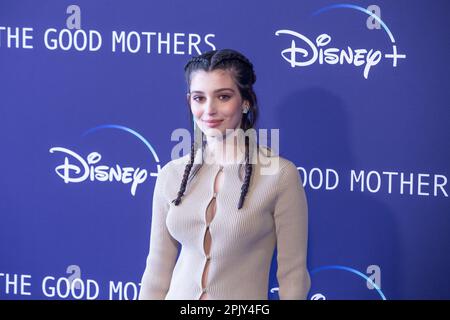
(204,290)
(208,257)
(215,195)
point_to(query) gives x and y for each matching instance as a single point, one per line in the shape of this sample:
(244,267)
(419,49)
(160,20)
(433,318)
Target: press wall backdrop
(91,92)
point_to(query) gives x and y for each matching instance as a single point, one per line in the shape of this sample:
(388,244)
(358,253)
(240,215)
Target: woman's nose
(210,107)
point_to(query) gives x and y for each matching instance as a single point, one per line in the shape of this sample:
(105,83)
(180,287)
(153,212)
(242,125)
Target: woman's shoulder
(174,167)
(272,163)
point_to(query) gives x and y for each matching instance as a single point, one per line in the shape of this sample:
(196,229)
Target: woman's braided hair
(243,73)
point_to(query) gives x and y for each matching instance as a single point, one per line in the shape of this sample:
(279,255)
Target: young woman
(214,233)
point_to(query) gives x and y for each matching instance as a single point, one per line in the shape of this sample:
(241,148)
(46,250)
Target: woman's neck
(228,149)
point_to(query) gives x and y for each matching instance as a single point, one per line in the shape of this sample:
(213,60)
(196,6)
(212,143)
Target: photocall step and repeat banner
(93,103)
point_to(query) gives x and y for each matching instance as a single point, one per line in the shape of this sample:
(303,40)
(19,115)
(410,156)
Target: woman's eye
(221,97)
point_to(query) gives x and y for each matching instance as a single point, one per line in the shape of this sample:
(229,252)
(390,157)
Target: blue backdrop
(91,91)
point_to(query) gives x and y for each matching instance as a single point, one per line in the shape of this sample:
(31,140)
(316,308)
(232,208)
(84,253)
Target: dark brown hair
(244,76)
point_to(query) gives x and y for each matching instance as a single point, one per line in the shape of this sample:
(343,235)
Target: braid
(235,56)
(248,174)
(232,55)
(196,59)
(187,171)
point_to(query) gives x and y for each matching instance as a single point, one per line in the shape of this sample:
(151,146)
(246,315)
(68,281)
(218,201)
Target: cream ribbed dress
(226,252)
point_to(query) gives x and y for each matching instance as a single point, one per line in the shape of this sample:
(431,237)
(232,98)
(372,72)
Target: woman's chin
(213,132)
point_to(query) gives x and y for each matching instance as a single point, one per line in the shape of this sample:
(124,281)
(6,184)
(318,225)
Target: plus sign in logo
(303,51)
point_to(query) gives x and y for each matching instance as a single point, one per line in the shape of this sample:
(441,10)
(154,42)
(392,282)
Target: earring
(245,110)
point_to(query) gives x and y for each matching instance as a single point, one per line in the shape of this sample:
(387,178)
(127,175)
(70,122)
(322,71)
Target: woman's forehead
(212,80)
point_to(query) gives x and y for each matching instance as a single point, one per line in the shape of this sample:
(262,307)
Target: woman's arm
(291,223)
(163,248)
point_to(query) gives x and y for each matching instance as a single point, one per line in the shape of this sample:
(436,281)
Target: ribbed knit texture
(275,213)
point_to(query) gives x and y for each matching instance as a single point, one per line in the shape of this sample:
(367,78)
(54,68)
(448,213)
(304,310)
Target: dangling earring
(245,110)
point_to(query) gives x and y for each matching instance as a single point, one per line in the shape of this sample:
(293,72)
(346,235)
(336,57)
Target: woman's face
(215,101)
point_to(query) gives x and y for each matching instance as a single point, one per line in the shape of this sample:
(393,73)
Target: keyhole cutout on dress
(209,216)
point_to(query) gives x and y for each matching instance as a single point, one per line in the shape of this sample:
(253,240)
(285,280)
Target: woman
(228,214)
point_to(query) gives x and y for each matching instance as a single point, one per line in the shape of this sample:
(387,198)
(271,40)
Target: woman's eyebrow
(215,91)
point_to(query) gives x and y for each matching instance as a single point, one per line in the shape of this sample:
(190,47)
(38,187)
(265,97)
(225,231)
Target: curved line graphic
(352,6)
(362,275)
(136,134)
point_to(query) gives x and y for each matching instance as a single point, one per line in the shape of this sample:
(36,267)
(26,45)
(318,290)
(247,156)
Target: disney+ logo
(304,52)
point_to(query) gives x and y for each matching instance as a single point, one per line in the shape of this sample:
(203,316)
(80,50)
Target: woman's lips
(212,123)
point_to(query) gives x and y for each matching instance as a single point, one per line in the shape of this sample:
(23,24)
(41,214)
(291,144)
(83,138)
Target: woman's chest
(221,191)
